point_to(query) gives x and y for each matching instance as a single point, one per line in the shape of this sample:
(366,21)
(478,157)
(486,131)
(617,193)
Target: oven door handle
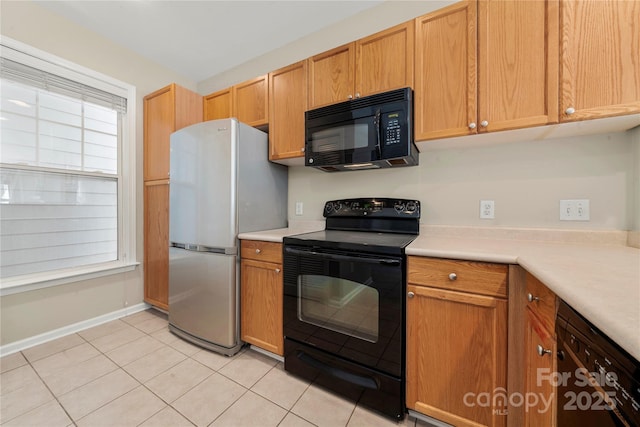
(338,257)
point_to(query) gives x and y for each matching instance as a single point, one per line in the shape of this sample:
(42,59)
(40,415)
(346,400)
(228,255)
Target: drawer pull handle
(531,298)
(411,295)
(258,251)
(277,270)
(453,277)
(542,351)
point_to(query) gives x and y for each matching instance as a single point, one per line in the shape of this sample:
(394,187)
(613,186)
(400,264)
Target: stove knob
(328,208)
(399,207)
(411,206)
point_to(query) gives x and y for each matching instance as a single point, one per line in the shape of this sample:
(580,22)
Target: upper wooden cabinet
(380,62)
(486,65)
(384,61)
(287,104)
(251,101)
(165,111)
(600,59)
(247,101)
(218,105)
(331,76)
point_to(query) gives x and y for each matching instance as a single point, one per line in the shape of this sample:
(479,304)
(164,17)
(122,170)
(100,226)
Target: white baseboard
(16,346)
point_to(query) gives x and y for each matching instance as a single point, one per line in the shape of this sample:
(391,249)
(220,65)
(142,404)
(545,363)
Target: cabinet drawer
(261,251)
(541,301)
(466,276)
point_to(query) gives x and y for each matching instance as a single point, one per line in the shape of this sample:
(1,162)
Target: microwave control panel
(392,128)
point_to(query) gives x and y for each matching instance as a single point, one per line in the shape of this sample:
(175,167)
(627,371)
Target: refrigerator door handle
(202,248)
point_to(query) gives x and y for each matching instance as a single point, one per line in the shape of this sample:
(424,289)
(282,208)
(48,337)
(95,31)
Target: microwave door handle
(338,257)
(377,124)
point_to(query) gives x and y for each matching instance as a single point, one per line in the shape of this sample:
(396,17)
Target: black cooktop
(373,225)
(362,241)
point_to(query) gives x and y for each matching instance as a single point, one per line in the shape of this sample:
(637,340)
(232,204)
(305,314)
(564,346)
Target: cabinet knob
(542,351)
(532,298)
(411,295)
(569,111)
(258,251)
(350,96)
(277,270)
(472,125)
(357,94)
(484,123)
(302,150)
(453,277)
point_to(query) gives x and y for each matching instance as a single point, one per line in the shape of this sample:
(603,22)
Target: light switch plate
(575,210)
(299,208)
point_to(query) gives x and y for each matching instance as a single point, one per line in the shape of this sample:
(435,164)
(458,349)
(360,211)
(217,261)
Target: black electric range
(344,300)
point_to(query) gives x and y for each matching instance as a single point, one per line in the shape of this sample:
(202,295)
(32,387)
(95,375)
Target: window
(67,206)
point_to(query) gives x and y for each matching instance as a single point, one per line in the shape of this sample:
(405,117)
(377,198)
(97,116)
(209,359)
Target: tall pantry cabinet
(165,111)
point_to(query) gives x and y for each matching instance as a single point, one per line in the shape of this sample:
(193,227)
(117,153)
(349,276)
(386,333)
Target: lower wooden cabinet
(540,350)
(261,293)
(456,344)
(156,246)
(540,364)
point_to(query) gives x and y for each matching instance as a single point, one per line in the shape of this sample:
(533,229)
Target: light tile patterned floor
(134,372)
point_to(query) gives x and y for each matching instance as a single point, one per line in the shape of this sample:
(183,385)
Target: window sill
(33,282)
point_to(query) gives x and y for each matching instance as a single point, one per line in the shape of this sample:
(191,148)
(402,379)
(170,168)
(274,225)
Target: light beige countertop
(278,234)
(595,273)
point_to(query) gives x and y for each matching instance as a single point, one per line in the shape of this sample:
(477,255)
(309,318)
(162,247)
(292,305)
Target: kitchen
(526,179)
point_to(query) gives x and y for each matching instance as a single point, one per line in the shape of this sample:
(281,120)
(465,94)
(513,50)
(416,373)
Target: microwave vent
(397,162)
(344,107)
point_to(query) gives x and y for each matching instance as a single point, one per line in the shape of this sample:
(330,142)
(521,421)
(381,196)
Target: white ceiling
(199,39)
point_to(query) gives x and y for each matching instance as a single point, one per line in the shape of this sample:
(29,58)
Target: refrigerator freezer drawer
(203,296)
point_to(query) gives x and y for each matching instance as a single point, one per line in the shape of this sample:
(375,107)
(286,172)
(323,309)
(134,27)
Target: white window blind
(60,172)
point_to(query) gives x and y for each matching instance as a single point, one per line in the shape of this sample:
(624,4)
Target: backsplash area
(526,180)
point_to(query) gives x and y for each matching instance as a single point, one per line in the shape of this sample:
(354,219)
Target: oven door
(347,304)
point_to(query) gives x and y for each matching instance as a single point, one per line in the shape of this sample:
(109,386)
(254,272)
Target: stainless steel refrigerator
(221,184)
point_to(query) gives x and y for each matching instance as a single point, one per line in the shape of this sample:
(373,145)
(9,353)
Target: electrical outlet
(487,209)
(299,208)
(575,210)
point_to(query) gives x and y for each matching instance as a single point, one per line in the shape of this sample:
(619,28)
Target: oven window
(345,137)
(340,305)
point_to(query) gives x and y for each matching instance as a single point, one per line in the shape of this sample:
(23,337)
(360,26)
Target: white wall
(525,179)
(366,23)
(31,313)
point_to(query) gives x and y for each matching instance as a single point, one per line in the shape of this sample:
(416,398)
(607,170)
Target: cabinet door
(384,60)
(540,364)
(218,105)
(456,350)
(159,122)
(331,76)
(165,111)
(518,64)
(287,104)
(251,101)
(446,89)
(156,243)
(600,58)
(261,305)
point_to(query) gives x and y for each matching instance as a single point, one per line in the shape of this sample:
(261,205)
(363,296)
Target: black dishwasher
(598,382)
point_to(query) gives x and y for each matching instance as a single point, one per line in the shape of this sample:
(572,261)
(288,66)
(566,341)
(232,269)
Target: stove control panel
(373,207)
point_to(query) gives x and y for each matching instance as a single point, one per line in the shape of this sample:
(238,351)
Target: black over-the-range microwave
(363,133)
